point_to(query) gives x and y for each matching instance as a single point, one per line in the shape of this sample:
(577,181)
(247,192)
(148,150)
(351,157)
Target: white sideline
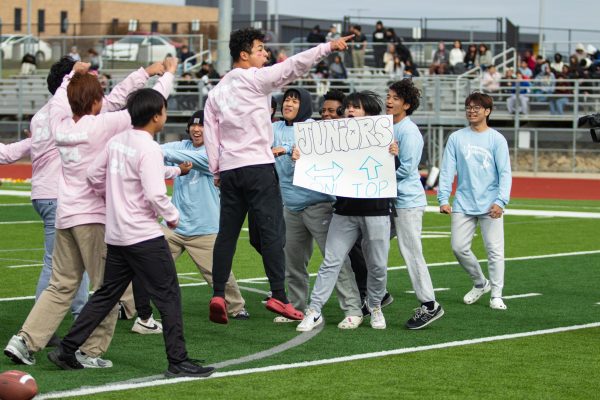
(264,279)
(118,387)
(519,296)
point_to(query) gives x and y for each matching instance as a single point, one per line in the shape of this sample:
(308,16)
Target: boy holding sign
(353,217)
(402,101)
(307,216)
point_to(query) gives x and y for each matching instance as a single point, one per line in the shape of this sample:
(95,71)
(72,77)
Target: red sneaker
(218,310)
(286,310)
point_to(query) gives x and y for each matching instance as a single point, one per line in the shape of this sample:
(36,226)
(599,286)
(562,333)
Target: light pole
(223,58)
(541,37)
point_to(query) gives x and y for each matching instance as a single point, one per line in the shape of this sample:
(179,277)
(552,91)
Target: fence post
(535,151)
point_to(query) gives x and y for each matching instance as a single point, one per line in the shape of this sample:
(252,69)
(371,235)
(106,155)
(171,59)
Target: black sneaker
(64,360)
(386,301)
(241,315)
(424,317)
(189,368)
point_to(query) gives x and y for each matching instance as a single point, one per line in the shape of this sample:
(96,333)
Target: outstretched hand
(157,68)
(340,44)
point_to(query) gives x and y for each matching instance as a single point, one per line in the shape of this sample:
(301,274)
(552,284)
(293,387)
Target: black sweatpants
(152,263)
(253,189)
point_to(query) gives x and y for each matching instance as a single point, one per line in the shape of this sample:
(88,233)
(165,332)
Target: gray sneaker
(17,351)
(92,362)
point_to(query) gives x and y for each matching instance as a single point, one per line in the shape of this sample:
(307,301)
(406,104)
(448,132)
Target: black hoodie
(305,111)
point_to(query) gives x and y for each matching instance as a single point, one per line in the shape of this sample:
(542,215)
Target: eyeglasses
(473,108)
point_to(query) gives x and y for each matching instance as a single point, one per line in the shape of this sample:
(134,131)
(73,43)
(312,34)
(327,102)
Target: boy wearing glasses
(479,156)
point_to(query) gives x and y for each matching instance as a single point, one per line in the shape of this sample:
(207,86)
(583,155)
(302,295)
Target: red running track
(533,188)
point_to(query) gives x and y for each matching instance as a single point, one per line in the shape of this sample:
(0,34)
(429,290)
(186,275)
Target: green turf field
(472,352)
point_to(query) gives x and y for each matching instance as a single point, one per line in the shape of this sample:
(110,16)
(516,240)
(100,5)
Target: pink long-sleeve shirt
(9,153)
(237,115)
(79,143)
(130,174)
(45,159)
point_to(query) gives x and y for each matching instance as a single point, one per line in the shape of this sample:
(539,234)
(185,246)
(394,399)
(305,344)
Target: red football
(17,385)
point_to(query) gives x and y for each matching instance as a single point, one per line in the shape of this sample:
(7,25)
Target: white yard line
(536,213)
(355,357)
(17,250)
(18,193)
(395,268)
(20,222)
(441,289)
(15,204)
(520,296)
(24,266)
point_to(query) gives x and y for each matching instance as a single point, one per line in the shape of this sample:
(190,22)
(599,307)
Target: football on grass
(17,385)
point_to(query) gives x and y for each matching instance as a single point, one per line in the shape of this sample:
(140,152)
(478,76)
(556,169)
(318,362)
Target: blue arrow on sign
(332,172)
(370,167)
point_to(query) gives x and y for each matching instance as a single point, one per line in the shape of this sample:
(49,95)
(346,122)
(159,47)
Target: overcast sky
(580,14)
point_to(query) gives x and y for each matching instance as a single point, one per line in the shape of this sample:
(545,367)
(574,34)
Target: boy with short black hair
(479,156)
(129,173)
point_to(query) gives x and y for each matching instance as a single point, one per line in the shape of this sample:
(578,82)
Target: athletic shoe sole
(170,374)
(438,316)
(13,354)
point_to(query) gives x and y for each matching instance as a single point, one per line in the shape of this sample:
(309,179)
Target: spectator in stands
(520,90)
(388,58)
(332,34)
(74,54)
(580,52)
(557,64)
(186,53)
(525,70)
(490,80)
(470,57)
(544,83)
(562,92)
(315,35)
(28,65)
(105,82)
(379,47)
(456,58)
(410,69)
(270,57)
(529,59)
(337,70)
(539,65)
(397,71)
(439,64)
(506,83)
(281,55)
(332,104)
(359,46)
(321,70)
(94,59)
(401,49)
(484,57)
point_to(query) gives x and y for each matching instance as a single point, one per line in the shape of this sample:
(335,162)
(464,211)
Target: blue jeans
(46,208)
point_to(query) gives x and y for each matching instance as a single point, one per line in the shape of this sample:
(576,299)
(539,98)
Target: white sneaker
(350,322)
(150,327)
(311,320)
(497,303)
(476,293)
(377,319)
(92,362)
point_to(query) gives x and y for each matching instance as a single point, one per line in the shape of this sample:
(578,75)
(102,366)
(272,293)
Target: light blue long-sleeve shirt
(194,194)
(410,192)
(482,163)
(295,198)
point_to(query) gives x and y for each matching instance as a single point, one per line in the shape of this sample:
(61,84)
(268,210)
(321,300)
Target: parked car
(14,47)
(140,48)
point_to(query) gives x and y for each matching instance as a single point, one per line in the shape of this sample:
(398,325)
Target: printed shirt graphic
(482,163)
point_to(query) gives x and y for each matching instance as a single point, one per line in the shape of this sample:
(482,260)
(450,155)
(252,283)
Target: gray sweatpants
(343,233)
(492,230)
(409,225)
(300,229)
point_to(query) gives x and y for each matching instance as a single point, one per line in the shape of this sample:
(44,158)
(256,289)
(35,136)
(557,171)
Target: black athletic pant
(250,190)
(141,298)
(152,263)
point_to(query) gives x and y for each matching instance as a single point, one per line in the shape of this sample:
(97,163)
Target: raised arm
(9,153)
(164,85)
(278,75)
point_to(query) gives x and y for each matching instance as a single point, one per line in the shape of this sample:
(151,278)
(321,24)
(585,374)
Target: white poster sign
(346,157)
